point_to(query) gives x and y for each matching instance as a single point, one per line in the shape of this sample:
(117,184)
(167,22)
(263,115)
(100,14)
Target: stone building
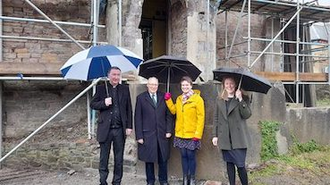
(33,50)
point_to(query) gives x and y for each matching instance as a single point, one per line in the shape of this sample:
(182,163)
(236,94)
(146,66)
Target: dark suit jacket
(151,124)
(233,123)
(104,119)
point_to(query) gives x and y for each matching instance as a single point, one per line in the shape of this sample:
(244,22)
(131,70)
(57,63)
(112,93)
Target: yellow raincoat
(190,116)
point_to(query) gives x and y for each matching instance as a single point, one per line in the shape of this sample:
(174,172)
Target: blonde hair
(224,94)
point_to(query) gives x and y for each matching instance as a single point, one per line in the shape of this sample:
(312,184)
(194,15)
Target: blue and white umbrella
(95,62)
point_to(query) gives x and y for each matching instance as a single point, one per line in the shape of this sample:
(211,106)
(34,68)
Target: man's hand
(128,131)
(168,135)
(215,141)
(140,141)
(108,101)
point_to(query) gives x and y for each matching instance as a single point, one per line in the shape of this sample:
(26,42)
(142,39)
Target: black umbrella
(247,80)
(169,69)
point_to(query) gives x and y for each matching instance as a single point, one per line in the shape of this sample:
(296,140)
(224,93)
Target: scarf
(186,96)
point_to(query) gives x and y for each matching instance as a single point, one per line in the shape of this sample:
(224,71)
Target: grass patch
(309,157)
(325,102)
(299,148)
(268,141)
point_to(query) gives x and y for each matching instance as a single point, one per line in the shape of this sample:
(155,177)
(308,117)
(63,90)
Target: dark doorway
(153,26)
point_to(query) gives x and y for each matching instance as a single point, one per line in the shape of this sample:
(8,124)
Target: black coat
(104,119)
(151,124)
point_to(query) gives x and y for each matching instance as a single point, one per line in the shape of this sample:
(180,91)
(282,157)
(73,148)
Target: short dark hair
(113,67)
(186,78)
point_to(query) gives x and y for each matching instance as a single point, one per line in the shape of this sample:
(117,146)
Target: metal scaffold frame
(290,13)
(94,25)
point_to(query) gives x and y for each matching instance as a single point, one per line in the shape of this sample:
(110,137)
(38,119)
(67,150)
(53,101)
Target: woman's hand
(167,96)
(195,139)
(238,95)
(215,141)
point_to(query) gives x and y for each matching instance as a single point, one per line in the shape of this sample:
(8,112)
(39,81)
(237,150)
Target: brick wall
(260,28)
(33,51)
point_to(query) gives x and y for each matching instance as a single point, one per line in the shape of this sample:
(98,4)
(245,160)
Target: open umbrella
(247,80)
(169,69)
(95,62)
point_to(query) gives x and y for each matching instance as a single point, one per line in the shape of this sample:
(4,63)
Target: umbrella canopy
(248,80)
(95,62)
(169,69)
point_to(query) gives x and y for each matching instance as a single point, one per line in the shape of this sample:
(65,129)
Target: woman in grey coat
(230,129)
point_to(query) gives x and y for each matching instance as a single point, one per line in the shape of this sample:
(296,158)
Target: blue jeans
(188,161)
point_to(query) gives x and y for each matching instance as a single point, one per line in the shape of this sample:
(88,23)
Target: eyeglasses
(153,84)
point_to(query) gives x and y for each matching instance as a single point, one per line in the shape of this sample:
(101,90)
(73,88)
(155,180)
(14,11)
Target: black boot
(192,180)
(185,180)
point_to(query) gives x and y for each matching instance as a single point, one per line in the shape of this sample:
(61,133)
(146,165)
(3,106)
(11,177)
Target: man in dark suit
(114,123)
(153,129)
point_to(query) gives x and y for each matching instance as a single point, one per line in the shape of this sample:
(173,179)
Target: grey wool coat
(231,124)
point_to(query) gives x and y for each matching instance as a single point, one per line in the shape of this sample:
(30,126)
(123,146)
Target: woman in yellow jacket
(189,126)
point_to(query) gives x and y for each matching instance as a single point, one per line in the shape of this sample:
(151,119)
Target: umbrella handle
(240,82)
(168,80)
(106,88)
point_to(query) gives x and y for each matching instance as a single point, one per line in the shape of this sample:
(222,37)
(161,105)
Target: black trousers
(115,137)
(162,169)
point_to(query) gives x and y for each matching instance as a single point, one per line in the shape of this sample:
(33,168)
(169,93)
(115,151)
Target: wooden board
(290,76)
(14,68)
(53,69)
(40,69)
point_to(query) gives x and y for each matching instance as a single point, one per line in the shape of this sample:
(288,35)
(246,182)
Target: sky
(324,2)
(321,2)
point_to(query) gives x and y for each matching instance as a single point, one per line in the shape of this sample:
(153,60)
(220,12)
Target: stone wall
(28,104)
(309,123)
(64,145)
(178,28)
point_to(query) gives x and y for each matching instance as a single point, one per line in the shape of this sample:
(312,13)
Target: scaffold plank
(26,68)
(291,76)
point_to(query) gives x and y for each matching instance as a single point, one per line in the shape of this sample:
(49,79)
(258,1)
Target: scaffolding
(290,14)
(93,25)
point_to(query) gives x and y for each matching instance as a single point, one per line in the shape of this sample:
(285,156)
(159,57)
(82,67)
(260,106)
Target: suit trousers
(162,169)
(115,137)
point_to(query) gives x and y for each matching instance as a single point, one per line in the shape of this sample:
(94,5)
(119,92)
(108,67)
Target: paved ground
(86,177)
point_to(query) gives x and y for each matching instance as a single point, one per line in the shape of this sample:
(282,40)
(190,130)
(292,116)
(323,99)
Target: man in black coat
(114,123)
(153,129)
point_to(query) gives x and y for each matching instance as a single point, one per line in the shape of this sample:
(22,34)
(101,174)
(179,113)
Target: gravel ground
(86,177)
